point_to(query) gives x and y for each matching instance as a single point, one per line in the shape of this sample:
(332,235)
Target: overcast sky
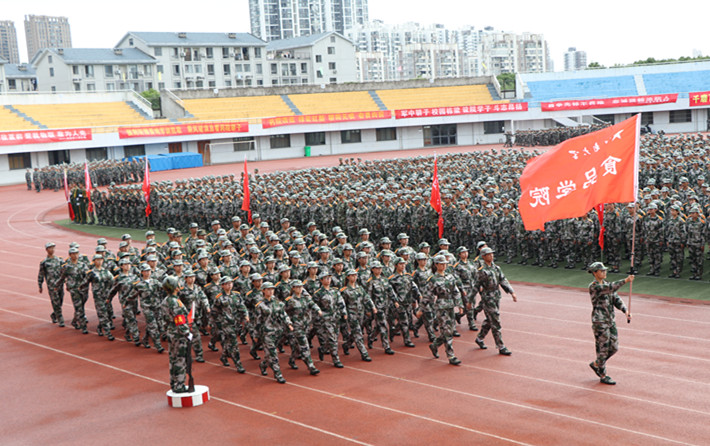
(609,31)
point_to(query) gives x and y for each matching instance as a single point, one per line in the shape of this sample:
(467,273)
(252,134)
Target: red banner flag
(246,202)
(87,182)
(435,200)
(146,188)
(600,216)
(581,173)
(67,195)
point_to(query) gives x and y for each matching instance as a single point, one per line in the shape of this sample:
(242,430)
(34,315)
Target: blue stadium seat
(684,82)
(598,87)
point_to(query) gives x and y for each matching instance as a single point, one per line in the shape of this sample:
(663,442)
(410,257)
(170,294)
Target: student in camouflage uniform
(192,294)
(465,271)
(696,243)
(148,291)
(72,273)
(676,237)
(489,280)
(228,313)
(655,240)
(326,325)
(101,281)
(178,332)
(381,294)
(358,303)
(122,285)
(406,293)
(441,290)
(604,300)
(300,308)
(273,322)
(425,312)
(50,271)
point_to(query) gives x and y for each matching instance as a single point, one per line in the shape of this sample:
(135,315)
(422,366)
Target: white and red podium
(189,399)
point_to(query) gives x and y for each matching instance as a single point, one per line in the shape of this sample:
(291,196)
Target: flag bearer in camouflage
(604,300)
(405,291)
(332,305)
(229,311)
(73,272)
(191,294)
(101,281)
(300,308)
(695,226)
(676,238)
(122,285)
(441,290)
(147,291)
(358,303)
(489,280)
(382,295)
(179,336)
(273,322)
(50,271)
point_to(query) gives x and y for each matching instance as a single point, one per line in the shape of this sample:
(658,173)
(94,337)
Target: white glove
(189,337)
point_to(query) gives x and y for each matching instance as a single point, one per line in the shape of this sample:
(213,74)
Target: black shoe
(320,353)
(161,349)
(457,334)
(454,360)
(180,389)
(225,362)
(53,318)
(409,344)
(200,359)
(473,328)
(505,352)
(415,333)
(253,354)
(61,322)
(240,367)
(366,358)
(607,380)
(475,313)
(369,344)
(280,379)
(596,369)
(338,364)
(480,344)
(212,347)
(458,317)
(346,349)
(138,343)
(434,350)
(292,364)
(389,351)
(313,371)
(110,337)
(262,368)
(281,349)
(84,331)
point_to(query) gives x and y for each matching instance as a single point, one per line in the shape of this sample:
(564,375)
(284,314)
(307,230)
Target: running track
(66,388)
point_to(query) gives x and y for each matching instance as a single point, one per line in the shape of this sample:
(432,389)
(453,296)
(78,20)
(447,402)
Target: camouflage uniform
(489,280)
(175,315)
(273,322)
(73,274)
(405,291)
(604,300)
(50,271)
(229,311)
(101,281)
(148,293)
(301,309)
(358,302)
(195,295)
(382,295)
(331,304)
(441,290)
(696,245)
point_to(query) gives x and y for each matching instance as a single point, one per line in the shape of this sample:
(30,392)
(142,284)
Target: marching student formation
(279,280)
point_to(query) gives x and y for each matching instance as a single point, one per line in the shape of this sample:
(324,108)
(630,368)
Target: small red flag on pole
(435,200)
(146,188)
(87,182)
(67,195)
(600,216)
(246,202)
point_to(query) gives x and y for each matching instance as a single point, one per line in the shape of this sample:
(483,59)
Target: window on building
(160,69)
(130,151)
(280,141)
(274,69)
(227,83)
(97,154)
(319,58)
(315,139)
(158,51)
(53,88)
(332,39)
(211,84)
(11,84)
(225,52)
(245,53)
(108,70)
(238,68)
(333,80)
(92,87)
(493,127)
(209,52)
(440,135)
(247,68)
(177,85)
(176,53)
(19,161)
(319,74)
(257,53)
(386,134)
(350,136)
(679,116)
(646,118)
(147,70)
(50,59)
(227,69)
(331,65)
(244,144)
(75,70)
(176,70)
(259,82)
(77,86)
(259,69)
(188,69)
(304,68)
(606,118)
(110,86)
(161,85)
(331,50)
(210,69)
(51,72)
(198,69)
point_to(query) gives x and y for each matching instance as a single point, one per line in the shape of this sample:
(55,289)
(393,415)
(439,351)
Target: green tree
(154,97)
(595,65)
(506,81)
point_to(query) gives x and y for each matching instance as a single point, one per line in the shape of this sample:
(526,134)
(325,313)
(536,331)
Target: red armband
(180,320)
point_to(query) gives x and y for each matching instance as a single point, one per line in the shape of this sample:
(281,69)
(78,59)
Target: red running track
(66,388)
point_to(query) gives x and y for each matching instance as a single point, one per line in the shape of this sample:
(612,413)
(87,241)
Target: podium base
(189,399)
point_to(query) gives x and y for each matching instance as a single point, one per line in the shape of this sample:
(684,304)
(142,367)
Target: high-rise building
(8,42)
(575,60)
(286,19)
(44,31)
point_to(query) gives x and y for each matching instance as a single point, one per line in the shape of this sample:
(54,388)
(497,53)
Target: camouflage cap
(256,276)
(267,285)
(486,251)
(596,266)
(440,259)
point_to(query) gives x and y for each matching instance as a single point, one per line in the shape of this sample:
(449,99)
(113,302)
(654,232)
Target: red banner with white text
(629,101)
(460,110)
(43,136)
(325,118)
(201,128)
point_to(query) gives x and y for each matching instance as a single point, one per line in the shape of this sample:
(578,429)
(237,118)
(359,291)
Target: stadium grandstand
(281,122)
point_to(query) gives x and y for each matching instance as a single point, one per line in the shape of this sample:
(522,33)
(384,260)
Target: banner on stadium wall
(201,128)
(462,110)
(629,101)
(43,136)
(699,99)
(325,118)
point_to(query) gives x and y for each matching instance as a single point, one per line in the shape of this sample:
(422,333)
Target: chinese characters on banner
(581,173)
(182,129)
(464,110)
(43,136)
(699,99)
(325,118)
(629,101)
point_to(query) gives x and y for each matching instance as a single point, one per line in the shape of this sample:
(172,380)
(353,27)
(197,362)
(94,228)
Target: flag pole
(631,268)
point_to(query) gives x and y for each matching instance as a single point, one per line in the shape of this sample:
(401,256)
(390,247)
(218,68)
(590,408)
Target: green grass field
(656,286)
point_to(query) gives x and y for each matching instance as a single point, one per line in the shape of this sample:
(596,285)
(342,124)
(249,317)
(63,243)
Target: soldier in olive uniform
(489,280)
(50,271)
(445,296)
(178,332)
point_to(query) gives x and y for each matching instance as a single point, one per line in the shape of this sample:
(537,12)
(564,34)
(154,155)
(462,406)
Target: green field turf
(656,286)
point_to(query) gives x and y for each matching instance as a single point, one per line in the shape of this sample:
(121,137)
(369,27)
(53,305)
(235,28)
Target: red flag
(67,195)
(246,202)
(600,216)
(435,200)
(146,188)
(581,173)
(87,182)
(191,314)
